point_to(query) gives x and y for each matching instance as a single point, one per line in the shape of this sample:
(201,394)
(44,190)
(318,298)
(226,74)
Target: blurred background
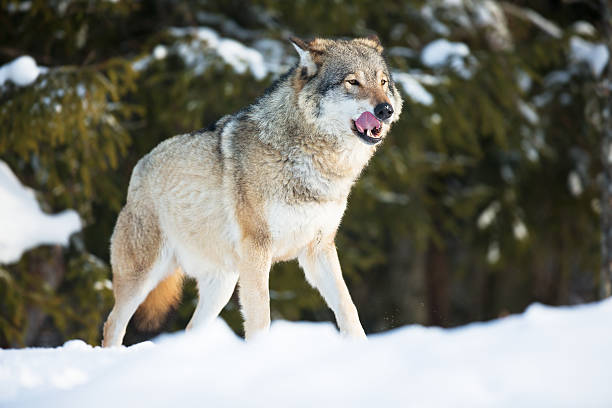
(484,198)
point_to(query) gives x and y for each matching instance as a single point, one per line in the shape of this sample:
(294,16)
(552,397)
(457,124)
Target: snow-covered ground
(546,357)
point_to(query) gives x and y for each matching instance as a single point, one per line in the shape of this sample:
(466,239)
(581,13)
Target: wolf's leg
(139,261)
(128,296)
(254,293)
(322,269)
(214,291)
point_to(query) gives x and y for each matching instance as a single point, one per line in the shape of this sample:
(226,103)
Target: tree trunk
(406,284)
(50,268)
(606,195)
(437,283)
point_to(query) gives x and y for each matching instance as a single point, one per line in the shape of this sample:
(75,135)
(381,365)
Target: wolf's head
(345,88)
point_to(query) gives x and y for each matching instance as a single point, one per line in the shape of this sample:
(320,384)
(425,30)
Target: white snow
(574,183)
(265,57)
(452,3)
(160,52)
(557,78)
(428,13)
(22,223)
(545,357)
(493,253)
(274,55)
(528,112)
(530,151)
(441,52)
(22,71)
(520,230)
(488,215)
(240,57)
(104,284)
(584,28)
(523,80)
(490,14)
(435,119)
(413,88)
(21,6)
(487,13)
(596,55)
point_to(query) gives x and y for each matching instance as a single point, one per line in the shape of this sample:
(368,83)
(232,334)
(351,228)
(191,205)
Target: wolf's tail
(152,313)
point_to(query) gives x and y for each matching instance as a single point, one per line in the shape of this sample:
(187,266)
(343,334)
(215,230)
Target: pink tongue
(367,121)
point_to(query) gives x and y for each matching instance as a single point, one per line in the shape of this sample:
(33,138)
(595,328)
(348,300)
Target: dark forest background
(477,204)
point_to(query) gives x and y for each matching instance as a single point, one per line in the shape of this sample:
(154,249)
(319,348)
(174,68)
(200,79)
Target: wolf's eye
(383,82)
(353,82)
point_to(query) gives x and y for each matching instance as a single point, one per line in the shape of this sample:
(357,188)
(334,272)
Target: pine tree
(606,196)
(482,200)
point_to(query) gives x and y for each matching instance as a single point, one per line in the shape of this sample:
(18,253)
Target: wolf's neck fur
(287,121)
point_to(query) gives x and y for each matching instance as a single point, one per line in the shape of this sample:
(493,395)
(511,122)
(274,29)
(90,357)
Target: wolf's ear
(309,56)
(371,41)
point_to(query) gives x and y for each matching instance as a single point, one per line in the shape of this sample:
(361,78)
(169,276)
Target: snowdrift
(547,356)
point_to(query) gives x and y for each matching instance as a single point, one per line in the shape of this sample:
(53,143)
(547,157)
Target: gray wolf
(266,184)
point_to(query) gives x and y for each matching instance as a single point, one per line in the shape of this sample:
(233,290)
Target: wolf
(266,184)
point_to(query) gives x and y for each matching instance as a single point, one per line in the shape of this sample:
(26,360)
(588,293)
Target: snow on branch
(442,52)
(413,88)
(265,57)
(596,56)
(21,71)
(23,225)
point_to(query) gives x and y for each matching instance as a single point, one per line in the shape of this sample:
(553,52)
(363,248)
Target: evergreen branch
(535,18)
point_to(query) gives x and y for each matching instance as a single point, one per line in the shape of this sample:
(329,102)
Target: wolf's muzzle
(383,111)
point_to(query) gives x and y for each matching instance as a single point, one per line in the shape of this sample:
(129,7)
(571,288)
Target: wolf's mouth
(368,128)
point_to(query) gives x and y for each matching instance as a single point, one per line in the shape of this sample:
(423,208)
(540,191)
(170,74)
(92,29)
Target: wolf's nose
(383,111)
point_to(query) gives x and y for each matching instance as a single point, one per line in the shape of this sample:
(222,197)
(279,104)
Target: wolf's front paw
(355,333)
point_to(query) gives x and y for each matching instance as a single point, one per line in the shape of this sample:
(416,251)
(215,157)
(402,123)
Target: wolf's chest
(292,227)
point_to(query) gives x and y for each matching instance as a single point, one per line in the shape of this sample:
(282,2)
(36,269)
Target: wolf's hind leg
(140,261)
(214,291)
(322,269)
(128,296)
